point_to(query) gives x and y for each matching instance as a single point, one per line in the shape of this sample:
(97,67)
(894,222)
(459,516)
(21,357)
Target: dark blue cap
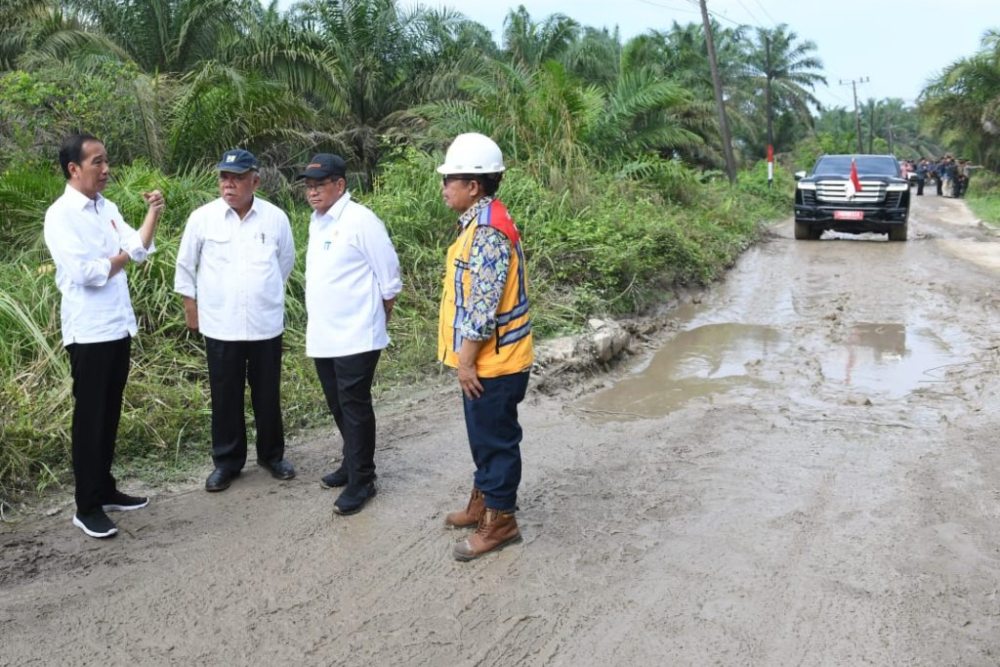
(237,161)
(325,165)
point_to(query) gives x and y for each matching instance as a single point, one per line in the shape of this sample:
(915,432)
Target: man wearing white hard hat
(484,332)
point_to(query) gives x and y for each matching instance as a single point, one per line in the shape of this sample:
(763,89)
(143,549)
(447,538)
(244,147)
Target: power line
(770,18)
(857,116)
(747,10)
(663,6)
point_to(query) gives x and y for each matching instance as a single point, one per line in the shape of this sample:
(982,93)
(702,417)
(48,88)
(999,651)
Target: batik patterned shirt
(489,263)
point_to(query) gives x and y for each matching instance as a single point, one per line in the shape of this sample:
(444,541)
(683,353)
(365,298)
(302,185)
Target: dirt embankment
(804,471)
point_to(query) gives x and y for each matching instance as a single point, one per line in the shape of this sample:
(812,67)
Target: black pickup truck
(826,197)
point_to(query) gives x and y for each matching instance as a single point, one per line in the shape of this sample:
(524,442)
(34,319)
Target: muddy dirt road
(805,472)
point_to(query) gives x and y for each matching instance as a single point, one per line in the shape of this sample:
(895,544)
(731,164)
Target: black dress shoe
(281,469)
(338,478)
(353,499)
(334,479)
(220,479)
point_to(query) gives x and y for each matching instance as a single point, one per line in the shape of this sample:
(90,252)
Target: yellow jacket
(511,350)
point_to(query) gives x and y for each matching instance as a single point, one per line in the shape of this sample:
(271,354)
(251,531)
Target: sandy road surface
(806,472)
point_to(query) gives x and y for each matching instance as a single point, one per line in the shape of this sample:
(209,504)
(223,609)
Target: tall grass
(610,243)
(984,196)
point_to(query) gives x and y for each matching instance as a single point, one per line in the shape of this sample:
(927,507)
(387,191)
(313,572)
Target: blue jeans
(495,438)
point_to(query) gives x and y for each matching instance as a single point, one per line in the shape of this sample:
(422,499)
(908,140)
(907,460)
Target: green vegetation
(613,147)
(963,104)
(984,197)
(612,247)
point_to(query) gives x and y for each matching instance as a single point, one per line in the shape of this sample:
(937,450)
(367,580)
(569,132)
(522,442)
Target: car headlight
(807,186)
(897,187)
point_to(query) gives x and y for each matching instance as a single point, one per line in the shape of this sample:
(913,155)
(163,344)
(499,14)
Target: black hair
(71,150)
(489,183)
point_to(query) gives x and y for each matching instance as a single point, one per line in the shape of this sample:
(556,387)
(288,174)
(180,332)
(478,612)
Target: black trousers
(347,385)
(99,372)
(231,366)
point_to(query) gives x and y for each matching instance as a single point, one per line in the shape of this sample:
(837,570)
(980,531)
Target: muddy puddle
(709,361)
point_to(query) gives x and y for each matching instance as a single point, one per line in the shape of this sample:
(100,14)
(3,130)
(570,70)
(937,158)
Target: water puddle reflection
(883,359)
(703,361)
(887,359)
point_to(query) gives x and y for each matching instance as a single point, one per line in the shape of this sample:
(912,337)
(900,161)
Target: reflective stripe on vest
(512,348)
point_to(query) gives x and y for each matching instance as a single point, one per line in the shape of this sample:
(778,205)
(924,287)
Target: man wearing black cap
(235,256)
(352,279)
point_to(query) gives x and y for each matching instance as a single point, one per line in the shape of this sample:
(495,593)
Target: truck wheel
(898,233)
(804,232)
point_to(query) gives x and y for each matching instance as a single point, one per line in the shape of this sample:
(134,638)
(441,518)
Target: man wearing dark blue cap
(352,279)
(234,259)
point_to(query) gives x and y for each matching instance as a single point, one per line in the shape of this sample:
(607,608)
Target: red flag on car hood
(854,176)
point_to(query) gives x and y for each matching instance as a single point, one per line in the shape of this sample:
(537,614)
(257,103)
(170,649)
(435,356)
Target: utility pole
(727,142)
(857,116)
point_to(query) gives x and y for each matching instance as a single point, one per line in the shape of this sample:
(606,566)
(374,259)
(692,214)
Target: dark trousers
(347,385)
(231,366)
(495,438)
(939,182)
(920,186)
(99,373)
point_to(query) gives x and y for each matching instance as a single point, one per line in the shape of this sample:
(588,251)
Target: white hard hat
(472,153)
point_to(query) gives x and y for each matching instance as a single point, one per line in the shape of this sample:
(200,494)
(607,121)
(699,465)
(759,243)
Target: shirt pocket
(263,253)
(218,246)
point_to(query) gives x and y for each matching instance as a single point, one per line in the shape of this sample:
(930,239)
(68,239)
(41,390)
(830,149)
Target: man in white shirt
(90,244)
(234,259)
(352,279)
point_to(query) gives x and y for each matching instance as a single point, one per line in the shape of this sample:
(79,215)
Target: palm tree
(680,55)
(168,36)
(381,68)
(787,72)
(963,103)
(595,56)
(642,114)
(20,22)
(186,57)
(526,42)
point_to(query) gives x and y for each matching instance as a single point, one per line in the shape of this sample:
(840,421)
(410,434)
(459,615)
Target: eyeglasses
(451,177)
(308,187)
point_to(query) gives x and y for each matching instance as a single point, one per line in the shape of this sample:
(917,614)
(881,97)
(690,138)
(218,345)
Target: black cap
(325,165)
(237,161)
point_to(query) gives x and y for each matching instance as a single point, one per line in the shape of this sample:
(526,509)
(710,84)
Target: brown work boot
(470,515)
(496,530)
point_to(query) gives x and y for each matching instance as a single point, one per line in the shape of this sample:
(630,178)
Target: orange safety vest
(511,350)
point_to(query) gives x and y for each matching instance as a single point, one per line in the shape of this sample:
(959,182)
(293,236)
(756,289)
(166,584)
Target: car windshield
(839,165)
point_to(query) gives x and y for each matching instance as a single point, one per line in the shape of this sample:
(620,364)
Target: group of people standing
(234,259)
(950,176)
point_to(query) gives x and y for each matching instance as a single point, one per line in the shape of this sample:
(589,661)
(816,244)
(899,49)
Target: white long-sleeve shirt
(236,269)
(351,268)
(82,235)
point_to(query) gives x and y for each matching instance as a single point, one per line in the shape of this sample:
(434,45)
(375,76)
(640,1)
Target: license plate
(848,215)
